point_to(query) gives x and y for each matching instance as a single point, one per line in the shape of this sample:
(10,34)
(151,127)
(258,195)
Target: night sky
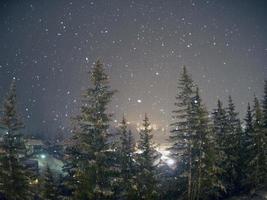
(49,46)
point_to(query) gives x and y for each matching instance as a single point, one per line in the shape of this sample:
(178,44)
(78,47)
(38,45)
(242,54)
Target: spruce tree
(180,134)
(264,116)
(49,187)
(127,165)
(14,178)
(92,173)
(221,131)
(264,108)
(70,160)
(247,150)
(232,148)
(258,163)
(146,180)
(205,172)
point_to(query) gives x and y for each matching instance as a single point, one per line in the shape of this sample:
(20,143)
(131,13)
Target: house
(34,146)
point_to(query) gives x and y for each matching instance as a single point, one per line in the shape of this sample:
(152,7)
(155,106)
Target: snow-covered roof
(34,142)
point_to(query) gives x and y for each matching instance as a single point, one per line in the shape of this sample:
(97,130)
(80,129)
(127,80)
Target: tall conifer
(127,165)
(180,138)
(14,178)
(146,180)
(93,173)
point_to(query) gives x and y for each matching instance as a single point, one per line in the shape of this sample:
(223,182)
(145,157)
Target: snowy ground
(46,159)
(260,195)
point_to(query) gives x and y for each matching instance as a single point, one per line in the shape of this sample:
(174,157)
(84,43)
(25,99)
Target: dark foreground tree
(180,138)
(247,150)
(70,182)
(264,116)
(146,180)
(127,165)
(232,164)
(221,132)
(49,186)
(14,178)
(257,164)
(193,144)
(205,169)
(91,170)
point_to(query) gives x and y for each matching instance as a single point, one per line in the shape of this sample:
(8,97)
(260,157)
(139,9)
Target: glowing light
(170,162)
(43,156)
(154,126)
(34,182)
(165,157)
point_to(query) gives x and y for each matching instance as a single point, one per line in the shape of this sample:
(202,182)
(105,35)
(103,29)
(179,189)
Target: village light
(43,156)
(170,162)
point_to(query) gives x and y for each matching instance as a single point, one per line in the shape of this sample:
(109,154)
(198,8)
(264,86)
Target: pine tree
(49,186)
(127,165)
(264,108)
(180,137)
(146,180)
(205,172)
(264,121)
(14,178)
(92,173)
(71,158)
(232,148)
(258,163)
(247,149)
(221,131)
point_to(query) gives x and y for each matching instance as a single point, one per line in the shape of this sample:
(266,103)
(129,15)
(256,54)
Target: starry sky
(49,46)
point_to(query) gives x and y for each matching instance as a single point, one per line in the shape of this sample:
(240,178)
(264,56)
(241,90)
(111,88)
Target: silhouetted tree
(146,180)
(258,160)
(92,172)
(49,186)
(127,165)
(14,178)
(181,134)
